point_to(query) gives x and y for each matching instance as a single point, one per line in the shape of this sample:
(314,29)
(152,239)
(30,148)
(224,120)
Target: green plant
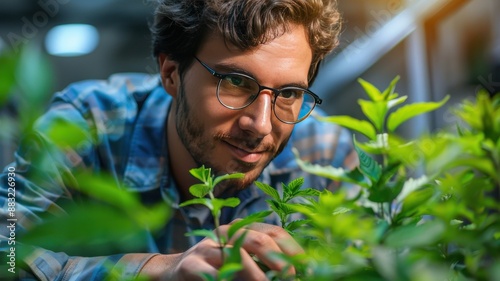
(229,255)
(443,225)
(283,206)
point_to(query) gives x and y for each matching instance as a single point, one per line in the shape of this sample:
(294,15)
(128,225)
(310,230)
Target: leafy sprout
(204,193)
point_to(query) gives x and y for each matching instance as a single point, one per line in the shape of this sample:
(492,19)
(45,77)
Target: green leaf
(385,261)
(482,164)
(394,102)
(412,185)
(375,112)
(228,270)
(371,90)
(199,190)
(388,94)
(201,173)
(385,192)
(8,61)
(207,277)
(65,134)
(227,177)
(234,253)
(389,171)
(94,230)
(293,187)
(378,146)
(202,201)
(152,217)
(104,188)
(421,235)
(409,111)
(361,126)
(256,217)
(228,202)
(275,206)
(233,261)
(368,165)
(269,190)
(417,199)
(281,208)
(287,208)
(218,204)
(35,77)
(330,172)
(296,224)
(203,233)
(33,74)
(307,192)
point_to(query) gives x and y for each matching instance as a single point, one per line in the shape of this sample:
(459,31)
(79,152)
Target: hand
(205,257)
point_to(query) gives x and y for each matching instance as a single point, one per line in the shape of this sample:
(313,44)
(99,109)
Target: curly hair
(180,26)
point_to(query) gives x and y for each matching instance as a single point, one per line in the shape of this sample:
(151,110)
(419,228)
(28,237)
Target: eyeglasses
(237,91)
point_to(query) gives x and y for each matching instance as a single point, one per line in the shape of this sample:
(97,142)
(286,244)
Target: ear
(169,71)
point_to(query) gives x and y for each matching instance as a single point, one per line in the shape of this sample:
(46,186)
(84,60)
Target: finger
(209,251)
(283,239)
(263,240)
(204,258)
(193,268)
(251,270)
(264,247)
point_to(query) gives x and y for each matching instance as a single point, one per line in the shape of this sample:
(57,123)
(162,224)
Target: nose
(257,117)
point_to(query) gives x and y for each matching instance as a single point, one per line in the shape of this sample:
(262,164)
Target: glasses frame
(276,92)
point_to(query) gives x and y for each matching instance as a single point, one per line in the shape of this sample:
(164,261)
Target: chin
(229,187)
(251,175)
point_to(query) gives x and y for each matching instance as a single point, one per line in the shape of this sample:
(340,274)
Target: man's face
(243,140)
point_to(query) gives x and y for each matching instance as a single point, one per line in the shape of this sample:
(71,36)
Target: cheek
(207,110)
(282,131)
(202,100)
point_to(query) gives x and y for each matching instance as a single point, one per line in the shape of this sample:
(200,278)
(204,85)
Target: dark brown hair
(180,26)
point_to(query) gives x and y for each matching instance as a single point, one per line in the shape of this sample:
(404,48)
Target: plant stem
(217,231)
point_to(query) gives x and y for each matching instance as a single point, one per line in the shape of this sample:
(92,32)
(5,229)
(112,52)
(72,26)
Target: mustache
(247,142)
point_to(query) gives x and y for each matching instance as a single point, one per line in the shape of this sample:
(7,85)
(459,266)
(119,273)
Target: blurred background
(437,47)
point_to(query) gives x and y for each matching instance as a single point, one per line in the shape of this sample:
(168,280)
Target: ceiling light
(71,40)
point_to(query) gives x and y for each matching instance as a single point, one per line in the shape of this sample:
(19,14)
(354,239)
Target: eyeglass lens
(291,105)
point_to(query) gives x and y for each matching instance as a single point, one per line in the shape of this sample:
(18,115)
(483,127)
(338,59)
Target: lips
(244,154)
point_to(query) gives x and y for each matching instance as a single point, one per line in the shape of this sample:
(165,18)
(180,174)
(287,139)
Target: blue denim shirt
(123,121)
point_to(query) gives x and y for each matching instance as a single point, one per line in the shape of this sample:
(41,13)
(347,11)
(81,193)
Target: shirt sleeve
(47,265)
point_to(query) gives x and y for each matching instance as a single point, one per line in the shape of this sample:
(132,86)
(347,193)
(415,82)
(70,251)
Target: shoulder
(104,107)
(119,90)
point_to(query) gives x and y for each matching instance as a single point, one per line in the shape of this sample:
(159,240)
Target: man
(232,89)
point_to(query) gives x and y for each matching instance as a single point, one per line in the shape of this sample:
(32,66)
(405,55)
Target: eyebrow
(229,68)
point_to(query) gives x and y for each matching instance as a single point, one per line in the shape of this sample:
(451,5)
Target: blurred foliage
(97,215)
(25,86)
(443,225)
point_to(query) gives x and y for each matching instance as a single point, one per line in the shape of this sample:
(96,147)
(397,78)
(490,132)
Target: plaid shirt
(124,121)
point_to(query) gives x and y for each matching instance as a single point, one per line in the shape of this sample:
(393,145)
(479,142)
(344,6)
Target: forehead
(286,57)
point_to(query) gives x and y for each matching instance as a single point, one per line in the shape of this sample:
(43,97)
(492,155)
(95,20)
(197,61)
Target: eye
(235,80)
(291,93)
(240,83)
